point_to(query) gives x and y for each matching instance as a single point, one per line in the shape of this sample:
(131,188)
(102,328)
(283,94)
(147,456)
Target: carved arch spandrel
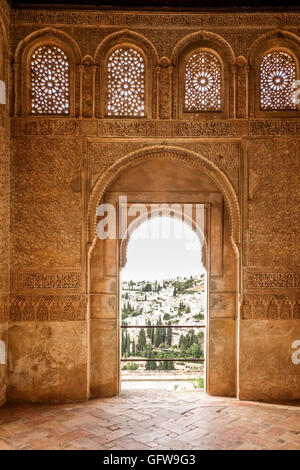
(139,220)
(213,43)
(172,153)
(24,50)
(280,40)
(145,47)
(202,37)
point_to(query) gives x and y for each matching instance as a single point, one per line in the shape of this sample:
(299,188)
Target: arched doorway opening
(163,303)
(165,175)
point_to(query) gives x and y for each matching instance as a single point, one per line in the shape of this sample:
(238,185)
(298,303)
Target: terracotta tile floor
(151,419)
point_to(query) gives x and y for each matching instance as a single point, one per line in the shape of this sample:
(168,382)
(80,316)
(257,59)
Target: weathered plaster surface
(266,367)
(4,192)
(47,361)
(63,306)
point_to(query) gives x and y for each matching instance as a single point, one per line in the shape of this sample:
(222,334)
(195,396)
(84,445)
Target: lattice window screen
(50,93)
(125,83)
(277,76)
(202,83)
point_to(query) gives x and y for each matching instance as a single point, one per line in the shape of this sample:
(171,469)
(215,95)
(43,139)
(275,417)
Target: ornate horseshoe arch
(173,153)
(155,214)
(106,257)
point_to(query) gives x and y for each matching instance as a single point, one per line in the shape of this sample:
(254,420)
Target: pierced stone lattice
(203,83)
(277,75)
(49,81)
(125,83)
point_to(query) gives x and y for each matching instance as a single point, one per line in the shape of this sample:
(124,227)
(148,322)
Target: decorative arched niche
(127,40)
(52,38)
(188,177)
(279,41)
(223,59)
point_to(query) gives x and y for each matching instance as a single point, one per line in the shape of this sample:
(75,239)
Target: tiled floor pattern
(151,419)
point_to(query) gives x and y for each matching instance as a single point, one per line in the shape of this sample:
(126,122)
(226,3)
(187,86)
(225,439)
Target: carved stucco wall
(56,163)
(4,195)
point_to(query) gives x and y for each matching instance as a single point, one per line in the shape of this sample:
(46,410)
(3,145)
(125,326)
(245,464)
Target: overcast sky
(162,248)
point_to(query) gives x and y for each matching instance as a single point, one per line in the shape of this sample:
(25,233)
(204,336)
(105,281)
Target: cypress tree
(193,337)
(169,335)
(141,344)
(157,336)
(128,343)
(149,330)
(163,335)
(123,343)
(153,363)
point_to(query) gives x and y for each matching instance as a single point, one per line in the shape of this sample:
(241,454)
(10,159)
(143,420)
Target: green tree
(149,330)
(200,337)
(195,351)
(123,346)
(152,335)
(169,336)
(153,363)
(130,366)
(141,344)
(147,287)
(163,335)
(163,365)
(127,342)
(193,337)
(188,341)
(150,355)
(182,343)
(158,333)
